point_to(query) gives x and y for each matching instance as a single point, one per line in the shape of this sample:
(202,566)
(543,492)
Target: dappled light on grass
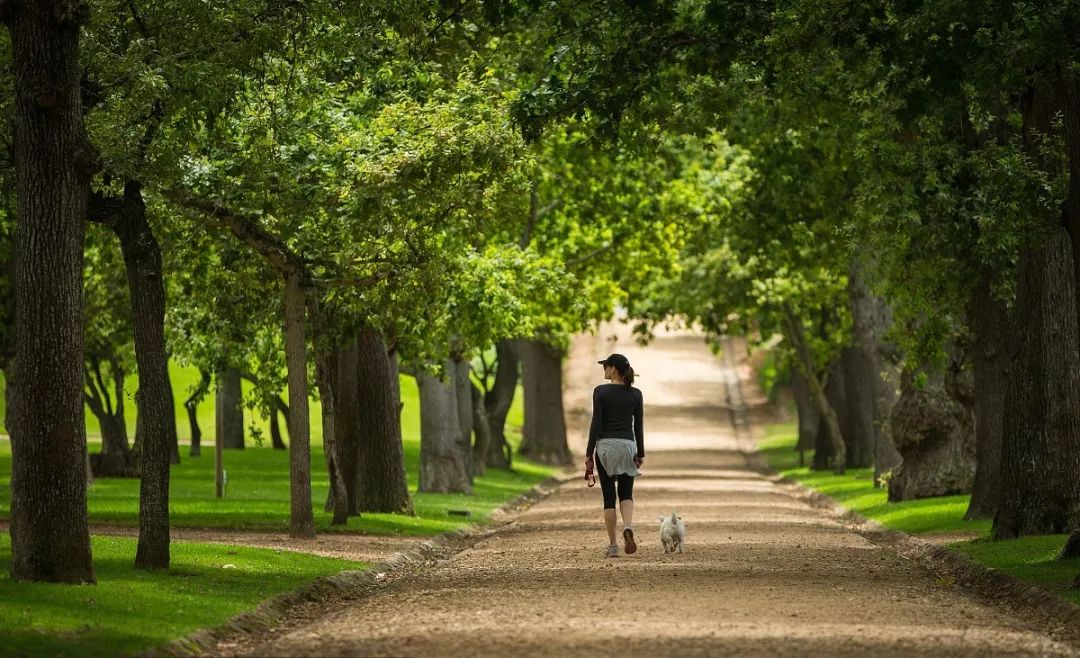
(131,610)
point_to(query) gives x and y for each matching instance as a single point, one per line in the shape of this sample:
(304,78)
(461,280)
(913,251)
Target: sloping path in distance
(763,574)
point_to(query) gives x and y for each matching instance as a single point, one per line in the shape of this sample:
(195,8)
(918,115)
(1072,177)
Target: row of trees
(909,229)
(259,188)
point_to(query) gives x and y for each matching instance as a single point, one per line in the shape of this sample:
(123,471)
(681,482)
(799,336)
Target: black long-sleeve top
(617,414)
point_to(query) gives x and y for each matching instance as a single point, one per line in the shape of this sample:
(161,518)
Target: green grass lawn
(1030,558)
(257,495)
(131,610)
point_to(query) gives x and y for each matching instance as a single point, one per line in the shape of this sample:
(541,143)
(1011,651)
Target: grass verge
(131,610)
(1031,559)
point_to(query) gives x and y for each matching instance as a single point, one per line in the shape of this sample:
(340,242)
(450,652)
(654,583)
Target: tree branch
(247,230)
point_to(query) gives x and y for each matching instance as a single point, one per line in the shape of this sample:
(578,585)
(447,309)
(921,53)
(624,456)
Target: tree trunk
(1040,447)
(857,368)
(442,464)
(173,435)
(1071,549)
(228,412)
(115,458)
(544,435)
(934,429)
(498,400)
(989,321)
(349,437)
(482,430)
(809,418)
(871,381)
(463,394)
(50,536)
(824,451)
(191,404)
(805,360)
(326,367)
(278,408)
(301,519)
(381,484)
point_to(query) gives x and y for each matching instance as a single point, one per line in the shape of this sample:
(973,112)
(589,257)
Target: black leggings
(607,486)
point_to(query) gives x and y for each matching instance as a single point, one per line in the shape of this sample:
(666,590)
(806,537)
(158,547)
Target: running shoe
(628,539)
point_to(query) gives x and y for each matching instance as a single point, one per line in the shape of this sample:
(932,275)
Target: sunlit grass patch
(130,610)
(1031,559)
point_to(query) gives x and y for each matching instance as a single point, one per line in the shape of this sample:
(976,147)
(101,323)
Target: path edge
(1029,603)
(355,584)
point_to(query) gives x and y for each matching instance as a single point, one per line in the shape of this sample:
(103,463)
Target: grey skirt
(617,456)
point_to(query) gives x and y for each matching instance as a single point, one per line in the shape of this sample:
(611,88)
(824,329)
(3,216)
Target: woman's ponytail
(628,376)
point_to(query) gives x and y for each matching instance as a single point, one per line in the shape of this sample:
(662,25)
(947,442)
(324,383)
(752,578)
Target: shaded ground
(764,574)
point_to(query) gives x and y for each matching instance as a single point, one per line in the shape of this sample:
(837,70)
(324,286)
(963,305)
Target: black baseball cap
(617,360)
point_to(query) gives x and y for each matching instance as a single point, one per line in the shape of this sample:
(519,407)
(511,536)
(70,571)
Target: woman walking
(617,441)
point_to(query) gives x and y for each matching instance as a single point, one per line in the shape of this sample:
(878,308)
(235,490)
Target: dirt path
(764,574)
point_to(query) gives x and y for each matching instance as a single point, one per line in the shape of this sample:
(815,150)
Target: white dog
(672,533)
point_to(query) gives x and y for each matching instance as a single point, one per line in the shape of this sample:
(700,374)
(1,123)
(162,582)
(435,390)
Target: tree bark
(348,408)
(442,463)
(381,484)
(544,435)
(463,394)
(326,367)
(482,430)
(809,418)
(498,400)
(301,520)
(191,404)
(805,360)
(988,318)
(934,430)
(871,380)
(50,537)
(857,368)
(228,412)
(1040,448)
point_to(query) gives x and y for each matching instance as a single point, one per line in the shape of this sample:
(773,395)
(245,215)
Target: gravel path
(764,574)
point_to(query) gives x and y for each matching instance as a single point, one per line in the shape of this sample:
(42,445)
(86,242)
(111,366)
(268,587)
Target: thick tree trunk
(381,484)
(805,360)
(872,382)
(544,435)
(498,400)
(442,464)
(989,321)
(191,404)
(934,429)
(347,397)
(228,410)
(809,419)
(857,369)
(301,519)
(482,430)
(326,367)
(50,536)
(463,394)
(1040,447)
